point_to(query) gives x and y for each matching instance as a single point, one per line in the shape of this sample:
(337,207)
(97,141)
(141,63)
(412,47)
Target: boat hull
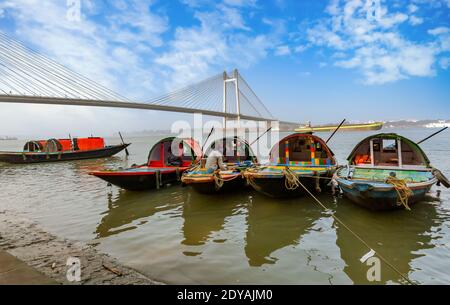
(276,186)
(270,180)
(381,197)
(142,178)
(206,184)
(349,127)
(26,158)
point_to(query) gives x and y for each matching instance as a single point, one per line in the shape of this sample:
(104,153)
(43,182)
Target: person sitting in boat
(215,158)
(172,159)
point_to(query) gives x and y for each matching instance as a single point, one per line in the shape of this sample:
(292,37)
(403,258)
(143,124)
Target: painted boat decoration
(388,171)
(238,156)
(167,160)
(54,150)
(295,160)
(345,127)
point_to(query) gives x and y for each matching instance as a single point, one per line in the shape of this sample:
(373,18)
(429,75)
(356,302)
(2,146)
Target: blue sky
(315,61)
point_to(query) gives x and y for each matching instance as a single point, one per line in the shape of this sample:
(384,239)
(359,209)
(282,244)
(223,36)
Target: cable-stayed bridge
(29,77)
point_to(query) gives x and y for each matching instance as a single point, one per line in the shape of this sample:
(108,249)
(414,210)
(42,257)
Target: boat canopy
(52,145)
(33,146)
(302,149)
(174,151)
(90,143)
(61,145)
(388,150)
(234,150)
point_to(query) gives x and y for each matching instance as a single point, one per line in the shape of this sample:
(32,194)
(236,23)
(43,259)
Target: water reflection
(206,214)
(399,236)
(275,224)
(126,208)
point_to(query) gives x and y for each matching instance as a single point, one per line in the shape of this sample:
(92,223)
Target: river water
(177,236)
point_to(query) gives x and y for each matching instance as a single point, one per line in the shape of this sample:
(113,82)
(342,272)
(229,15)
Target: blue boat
(238,156)
(388,171)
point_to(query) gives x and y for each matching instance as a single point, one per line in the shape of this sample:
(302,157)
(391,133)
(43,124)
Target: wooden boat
(238,156)
(345,127)
(54,150)
(387,171)
(167,160)
(298,156)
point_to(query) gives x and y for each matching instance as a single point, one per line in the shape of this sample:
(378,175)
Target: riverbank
(45,254)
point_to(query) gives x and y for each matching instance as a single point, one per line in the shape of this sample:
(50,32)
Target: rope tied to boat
(402,189)
(291,181)
(357,236)
(248,175)
(219,180)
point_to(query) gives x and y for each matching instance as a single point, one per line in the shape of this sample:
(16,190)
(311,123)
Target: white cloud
(304,74)
(94,49)
(113,52)
(444,62)
(240,2)
(412,8)
(364,35)
(217,44)
(414,20)
(301,48)
(439,31)
(282,51)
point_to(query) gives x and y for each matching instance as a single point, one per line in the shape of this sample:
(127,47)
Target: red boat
(55,150)
(168,159)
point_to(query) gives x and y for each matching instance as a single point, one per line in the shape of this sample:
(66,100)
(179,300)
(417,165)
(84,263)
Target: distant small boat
(56,150)
(345,127)
(302,157)
(388,171)
(164,166)
(238,156)
(8,138)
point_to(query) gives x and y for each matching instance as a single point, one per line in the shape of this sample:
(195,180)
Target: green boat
(388,171)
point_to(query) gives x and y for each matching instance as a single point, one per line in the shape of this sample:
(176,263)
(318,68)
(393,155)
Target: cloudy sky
(311,60)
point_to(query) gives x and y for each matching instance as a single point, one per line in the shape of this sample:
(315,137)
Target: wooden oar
(429,137)
(207,138)
(261,136)
(332,135)
(123,142)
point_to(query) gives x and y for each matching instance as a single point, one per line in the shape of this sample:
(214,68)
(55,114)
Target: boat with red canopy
(54,150)
(167,160)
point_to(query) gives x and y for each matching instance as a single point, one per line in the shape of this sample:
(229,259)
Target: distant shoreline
(402,124)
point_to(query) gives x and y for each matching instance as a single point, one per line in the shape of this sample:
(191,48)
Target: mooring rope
(219,180)
(291,181)
(357,236)
(402,189)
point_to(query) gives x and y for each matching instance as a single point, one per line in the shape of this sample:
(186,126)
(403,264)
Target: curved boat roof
(302,135)
(390,136)
(187,141)
(234,139)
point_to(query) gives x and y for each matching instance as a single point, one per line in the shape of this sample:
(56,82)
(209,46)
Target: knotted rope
(402,189)
(291,181)
(219,180)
